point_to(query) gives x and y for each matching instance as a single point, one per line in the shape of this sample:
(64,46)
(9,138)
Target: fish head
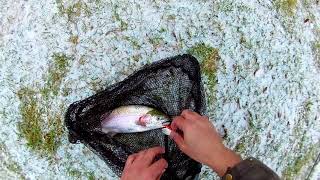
(154,121)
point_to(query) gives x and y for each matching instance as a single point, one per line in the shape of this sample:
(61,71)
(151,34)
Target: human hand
(141,165)
(200,140)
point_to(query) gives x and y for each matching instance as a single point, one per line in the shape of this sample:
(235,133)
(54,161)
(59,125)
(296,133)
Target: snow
(268,69)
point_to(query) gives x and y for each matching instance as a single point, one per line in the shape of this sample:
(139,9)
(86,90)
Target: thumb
(179,140)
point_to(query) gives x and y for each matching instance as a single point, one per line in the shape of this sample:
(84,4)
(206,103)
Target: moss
(9,163)
(225,6)
(286,6)
(96,85)
(299,163)
(171,17)
(246,43)
(61,61)
(52,138)
(30,126)
(78,174)
(308,106)
(136,58)
(66,91)
(208,57)
(162,30)
(40,126)
(56,73)
(73,11)
(74,173)
(90,176)
(156,40)
(14,167)
(317,45)
(116,17)
(134,43)
(74,39)
(240,147)
(33,123)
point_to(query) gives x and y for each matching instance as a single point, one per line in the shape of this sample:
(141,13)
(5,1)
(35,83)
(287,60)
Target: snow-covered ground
(266,98)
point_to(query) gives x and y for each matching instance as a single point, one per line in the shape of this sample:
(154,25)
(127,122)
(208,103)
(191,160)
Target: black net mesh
(169,85)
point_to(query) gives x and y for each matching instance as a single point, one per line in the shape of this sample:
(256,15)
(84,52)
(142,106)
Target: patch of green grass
(240,147)
(116,17)
(317,45)
(134,42)
(308,106)
(304,152)
(245,42)
(246,141)
(52,137)
(74,173)
(299,163)
(9,163)
(156,40)
(73,11)
(41,130)
(40,126)
(136,58)
(66,91)
(287,6)
(14,167)
(56,73)
(225,6)
(96,85)
(171,17)
(162,30)
(78,174)
(208,57)
(316,50)
(30,126)
(74,39)
(90,176)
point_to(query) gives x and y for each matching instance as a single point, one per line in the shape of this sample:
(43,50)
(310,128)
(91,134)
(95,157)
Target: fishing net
(169,85)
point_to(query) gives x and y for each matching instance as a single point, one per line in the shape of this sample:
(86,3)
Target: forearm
(226,163)
(223,159)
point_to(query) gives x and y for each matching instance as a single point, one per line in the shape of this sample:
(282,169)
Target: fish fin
(166,131)
(105,118)
(109,132)
(112,134)
(143,120)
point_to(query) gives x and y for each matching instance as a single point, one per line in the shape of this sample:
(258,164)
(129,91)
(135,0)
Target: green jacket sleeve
(250,169)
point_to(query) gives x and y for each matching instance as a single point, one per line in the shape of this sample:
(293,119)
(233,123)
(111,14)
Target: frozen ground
(263,92)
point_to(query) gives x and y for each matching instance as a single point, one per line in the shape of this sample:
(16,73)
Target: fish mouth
(166,123)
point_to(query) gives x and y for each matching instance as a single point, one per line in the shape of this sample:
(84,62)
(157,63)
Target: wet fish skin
(133,118)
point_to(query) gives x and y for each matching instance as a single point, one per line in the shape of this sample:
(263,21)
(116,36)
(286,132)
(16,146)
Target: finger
(152,153)
(158,168)
(188,114)
(130,159)
(140,155)
(205,117)
(159,177)
(178,123)
(179,140)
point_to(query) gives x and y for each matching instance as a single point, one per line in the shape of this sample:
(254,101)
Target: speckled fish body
(133,118)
